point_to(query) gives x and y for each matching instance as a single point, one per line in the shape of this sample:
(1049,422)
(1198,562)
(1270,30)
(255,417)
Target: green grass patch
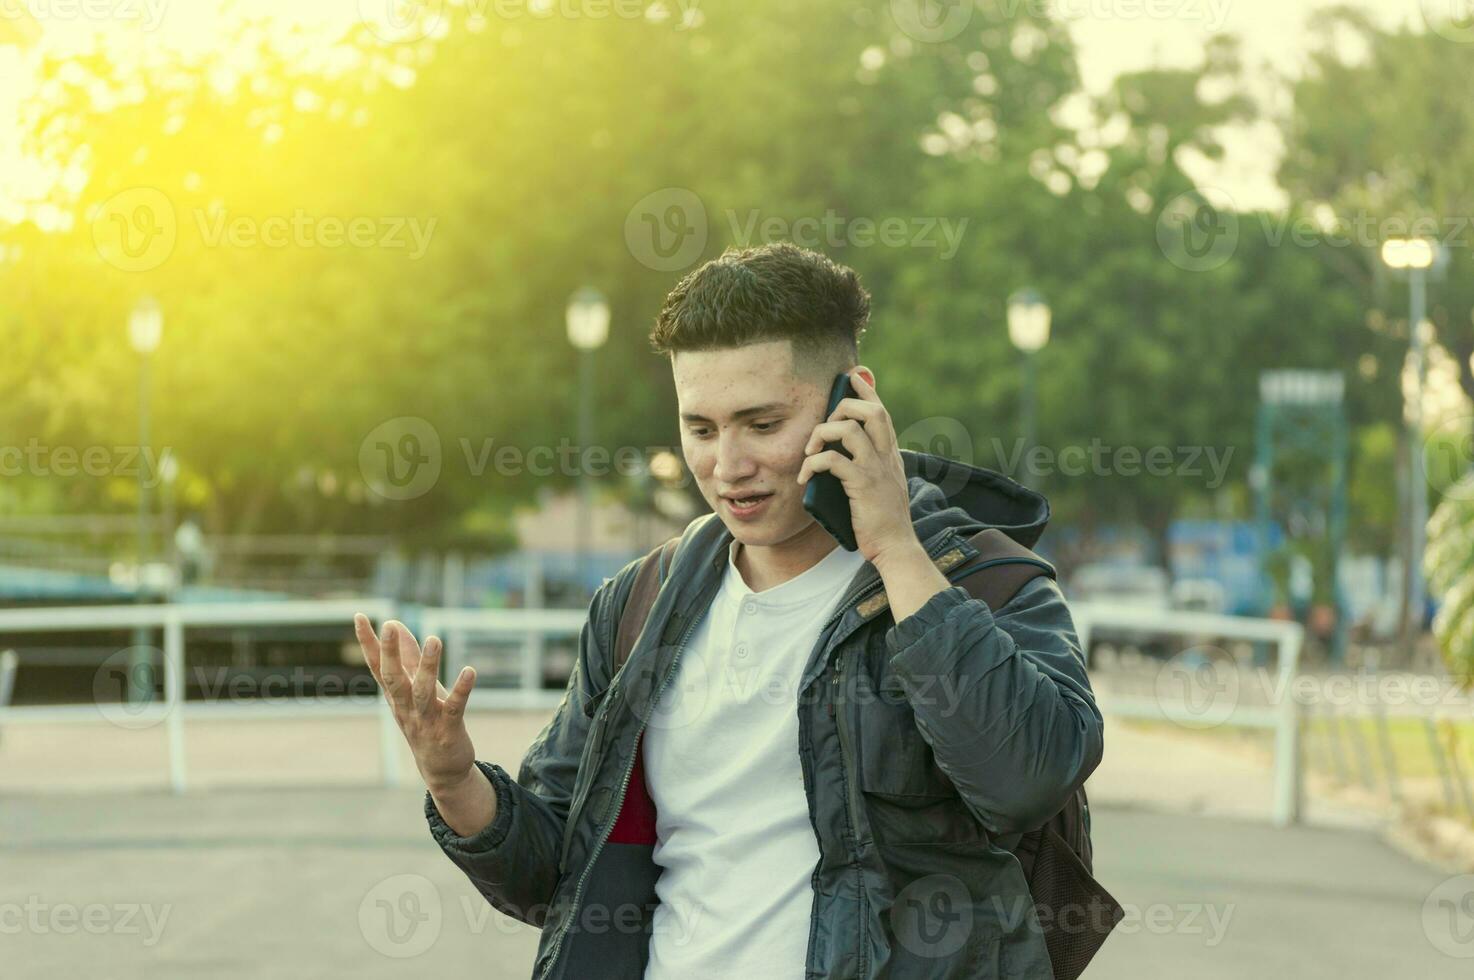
(1406,738)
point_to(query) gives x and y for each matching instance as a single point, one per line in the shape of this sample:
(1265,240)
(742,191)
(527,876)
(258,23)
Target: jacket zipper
(846,752)
(623,785)
(846,748)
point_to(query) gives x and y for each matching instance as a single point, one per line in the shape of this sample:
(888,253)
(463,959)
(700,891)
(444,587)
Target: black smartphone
(824,495)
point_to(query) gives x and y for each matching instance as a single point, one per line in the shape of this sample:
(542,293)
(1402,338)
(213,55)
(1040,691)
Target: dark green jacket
(922,743)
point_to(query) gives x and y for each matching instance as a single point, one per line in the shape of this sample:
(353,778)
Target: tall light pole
(1416,256)
(145,330)
(1028,328)
(588,328)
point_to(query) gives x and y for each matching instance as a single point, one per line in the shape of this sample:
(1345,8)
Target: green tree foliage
(1379,140)
(527,150)
(1449,565)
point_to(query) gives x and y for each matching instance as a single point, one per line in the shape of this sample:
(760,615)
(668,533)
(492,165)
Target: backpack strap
(1001,568)
(643,593)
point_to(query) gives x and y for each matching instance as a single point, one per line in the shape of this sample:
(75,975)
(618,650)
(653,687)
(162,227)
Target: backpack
(1076,913)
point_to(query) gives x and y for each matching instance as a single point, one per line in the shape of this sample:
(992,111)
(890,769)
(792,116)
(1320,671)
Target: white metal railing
(533,625)
(455,625)
(173,619)
(8,663)
(1282,716)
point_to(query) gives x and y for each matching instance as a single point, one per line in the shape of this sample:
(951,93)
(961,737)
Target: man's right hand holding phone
(432,720)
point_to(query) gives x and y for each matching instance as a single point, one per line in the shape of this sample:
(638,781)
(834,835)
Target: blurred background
(308,309)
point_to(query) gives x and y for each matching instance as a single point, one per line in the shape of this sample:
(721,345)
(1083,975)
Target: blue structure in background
(1111,543)
(21,584)
(1226,552)
(562,573)
(568,579)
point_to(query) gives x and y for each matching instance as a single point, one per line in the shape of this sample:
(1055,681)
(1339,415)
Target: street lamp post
(1028,328)
(145,330)
(588,328)
(1416,256)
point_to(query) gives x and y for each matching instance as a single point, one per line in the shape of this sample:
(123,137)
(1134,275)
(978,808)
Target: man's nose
(733,461)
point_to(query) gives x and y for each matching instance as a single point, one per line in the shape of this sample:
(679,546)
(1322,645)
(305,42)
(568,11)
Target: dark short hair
(769,292)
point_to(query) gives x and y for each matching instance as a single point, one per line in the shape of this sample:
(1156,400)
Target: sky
(1112,36)
(1116,36)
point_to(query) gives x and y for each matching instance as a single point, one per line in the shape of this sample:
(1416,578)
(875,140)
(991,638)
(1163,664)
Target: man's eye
(760,426)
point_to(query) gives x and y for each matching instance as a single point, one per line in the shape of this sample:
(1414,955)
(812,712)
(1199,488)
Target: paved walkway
(313,876)
(346,883)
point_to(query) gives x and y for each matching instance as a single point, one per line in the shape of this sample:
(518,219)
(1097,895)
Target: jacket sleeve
(1019,730)
(514,861)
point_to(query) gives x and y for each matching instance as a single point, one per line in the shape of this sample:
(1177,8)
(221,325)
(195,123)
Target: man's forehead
(692,413)
(712,395)
(738,396)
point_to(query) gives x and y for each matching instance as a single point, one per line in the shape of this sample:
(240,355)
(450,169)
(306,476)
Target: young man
(815,759)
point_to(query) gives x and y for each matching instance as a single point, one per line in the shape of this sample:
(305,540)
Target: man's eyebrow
(741,413)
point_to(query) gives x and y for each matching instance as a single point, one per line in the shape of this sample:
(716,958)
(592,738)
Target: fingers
(409,649)
(409,657)
(848,433)
(440,691)
(413,656)
(829,461)
(368,642)
(392,677)
(460,692)
(426,676)
(866,407)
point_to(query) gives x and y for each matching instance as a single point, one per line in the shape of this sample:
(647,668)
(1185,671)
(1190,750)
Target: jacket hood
(947,493)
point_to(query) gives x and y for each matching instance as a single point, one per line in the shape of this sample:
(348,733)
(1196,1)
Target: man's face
(738,452)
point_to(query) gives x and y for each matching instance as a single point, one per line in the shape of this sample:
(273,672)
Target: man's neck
(764,568)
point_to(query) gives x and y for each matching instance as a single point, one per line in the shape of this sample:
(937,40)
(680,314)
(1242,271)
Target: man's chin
(774,530)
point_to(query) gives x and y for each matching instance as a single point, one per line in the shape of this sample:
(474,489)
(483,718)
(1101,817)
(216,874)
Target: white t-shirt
(720,754)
